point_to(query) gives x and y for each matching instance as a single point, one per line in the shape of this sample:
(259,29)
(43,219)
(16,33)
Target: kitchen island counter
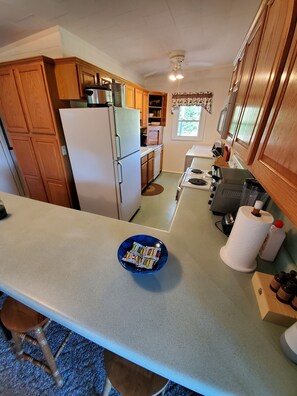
(195,322)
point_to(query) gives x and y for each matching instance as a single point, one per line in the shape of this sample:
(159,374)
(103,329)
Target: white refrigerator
(103,145)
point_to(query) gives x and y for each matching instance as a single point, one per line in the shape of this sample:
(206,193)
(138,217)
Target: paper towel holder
(240,253)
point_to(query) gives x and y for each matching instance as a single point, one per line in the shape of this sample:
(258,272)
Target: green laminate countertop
(195,322)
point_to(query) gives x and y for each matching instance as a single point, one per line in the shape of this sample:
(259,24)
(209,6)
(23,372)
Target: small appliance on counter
(118,93)
(143,137)
(217,149)
(226,189)
(252,191)
(227,222)
(98,96)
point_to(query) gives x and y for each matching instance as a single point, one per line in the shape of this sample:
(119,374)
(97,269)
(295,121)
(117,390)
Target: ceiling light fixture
(176,58)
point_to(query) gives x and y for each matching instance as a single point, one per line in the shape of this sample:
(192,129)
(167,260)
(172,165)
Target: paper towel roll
(246,238)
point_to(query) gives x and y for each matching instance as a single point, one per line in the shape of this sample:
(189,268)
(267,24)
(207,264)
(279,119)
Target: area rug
(153,189)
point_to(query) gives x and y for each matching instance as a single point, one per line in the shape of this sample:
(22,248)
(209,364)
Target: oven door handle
(181,179)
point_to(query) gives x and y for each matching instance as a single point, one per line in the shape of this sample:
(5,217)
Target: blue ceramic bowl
(145,240)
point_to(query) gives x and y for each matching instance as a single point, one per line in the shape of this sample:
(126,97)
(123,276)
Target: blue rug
(81,366)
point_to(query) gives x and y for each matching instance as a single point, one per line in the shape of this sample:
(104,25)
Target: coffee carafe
(252,191)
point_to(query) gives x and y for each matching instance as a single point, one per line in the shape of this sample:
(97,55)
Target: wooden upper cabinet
(157,108)
(31,84)
(246,64)
(275,164)
(130,96)
(73,75)
(145,109)
(87,76)
(139,103)
(277,33)
(11,110)
(138,99)
(164,110)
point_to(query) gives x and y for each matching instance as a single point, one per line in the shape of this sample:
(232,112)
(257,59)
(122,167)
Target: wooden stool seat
(20,320)
(130,379)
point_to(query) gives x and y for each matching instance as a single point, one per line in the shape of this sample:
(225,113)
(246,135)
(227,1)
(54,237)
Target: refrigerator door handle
(120,168)
(118,146)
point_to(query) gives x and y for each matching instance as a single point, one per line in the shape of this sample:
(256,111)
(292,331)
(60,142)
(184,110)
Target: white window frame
(200,135)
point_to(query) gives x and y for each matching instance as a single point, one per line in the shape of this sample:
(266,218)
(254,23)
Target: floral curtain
(203,99)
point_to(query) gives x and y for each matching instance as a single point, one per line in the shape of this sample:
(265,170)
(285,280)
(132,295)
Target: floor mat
(153,189)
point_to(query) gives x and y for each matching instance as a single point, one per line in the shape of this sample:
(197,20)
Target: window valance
(203,99)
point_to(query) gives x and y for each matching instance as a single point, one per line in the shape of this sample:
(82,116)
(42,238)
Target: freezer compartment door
(127,127)
(129,179)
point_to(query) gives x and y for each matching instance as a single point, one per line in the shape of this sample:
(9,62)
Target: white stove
(194,178)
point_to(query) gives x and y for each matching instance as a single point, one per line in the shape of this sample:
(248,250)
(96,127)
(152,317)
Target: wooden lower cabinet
(42,169)
(47,151)
(147,169)
(150,170)
(144,168)
(24,152)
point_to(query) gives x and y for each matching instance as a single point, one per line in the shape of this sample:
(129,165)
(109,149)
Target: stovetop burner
(210,173)
(197,182)
(198,171)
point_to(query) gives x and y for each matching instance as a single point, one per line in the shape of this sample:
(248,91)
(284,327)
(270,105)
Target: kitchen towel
(246,238)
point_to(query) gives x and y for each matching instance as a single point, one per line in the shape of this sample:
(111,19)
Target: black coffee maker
(227,222)
(252,191)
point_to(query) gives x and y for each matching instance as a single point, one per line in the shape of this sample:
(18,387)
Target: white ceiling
(139,34)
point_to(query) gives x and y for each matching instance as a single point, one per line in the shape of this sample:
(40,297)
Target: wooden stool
(20,319)
(130,379)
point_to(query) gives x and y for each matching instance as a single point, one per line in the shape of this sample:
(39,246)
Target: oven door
(179,186)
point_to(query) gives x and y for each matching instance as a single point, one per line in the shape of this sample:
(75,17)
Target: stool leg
(107,387)
(17,345)
(42,341)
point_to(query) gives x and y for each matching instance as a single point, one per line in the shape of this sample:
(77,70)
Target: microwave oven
(226,115)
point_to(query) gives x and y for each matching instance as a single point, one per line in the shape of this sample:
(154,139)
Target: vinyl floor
(157,211)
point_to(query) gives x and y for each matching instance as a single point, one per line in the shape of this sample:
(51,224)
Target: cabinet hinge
(64,150)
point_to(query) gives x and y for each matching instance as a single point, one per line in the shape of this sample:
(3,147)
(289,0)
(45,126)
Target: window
(188,123)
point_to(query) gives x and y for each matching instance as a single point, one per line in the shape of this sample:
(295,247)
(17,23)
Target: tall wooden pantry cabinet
(29,106)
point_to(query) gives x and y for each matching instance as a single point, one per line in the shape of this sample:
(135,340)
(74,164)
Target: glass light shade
(172,76)
(179,75)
